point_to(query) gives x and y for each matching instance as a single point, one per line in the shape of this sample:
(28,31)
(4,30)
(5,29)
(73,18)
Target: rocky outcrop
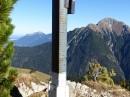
(111,25)
(75,90)
(28,88)
(27,91)
(81,90)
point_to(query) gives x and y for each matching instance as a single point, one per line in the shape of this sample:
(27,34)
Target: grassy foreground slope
(94,89)
(35,75)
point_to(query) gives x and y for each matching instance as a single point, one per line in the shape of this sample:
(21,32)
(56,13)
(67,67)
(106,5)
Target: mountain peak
(33,39)
(112,25)
(39,33)
(35,33)
(109,20)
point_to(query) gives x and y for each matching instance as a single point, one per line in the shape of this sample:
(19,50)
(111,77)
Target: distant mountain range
(14,37)
(108,42)
(31,40)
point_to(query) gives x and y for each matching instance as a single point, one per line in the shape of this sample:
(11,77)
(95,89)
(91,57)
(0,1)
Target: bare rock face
(28,88)
(94,28)
(111,25)
(75,90)
(81,90)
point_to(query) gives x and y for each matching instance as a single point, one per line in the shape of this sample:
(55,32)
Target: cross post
(60,9)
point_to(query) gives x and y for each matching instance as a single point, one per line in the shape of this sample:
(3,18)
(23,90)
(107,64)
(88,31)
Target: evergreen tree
(97,72)
(106,76)
(94,71)
(7,74)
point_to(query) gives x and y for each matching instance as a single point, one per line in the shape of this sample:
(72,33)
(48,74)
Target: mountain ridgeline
(108,42)
(34,39)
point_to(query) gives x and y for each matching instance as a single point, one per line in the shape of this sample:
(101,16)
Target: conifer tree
(94,71)
(7,74)
(97,72)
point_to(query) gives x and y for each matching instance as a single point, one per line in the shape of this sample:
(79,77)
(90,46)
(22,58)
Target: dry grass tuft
(116,91)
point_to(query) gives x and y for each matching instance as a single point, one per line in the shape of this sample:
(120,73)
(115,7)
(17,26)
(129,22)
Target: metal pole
(59,86)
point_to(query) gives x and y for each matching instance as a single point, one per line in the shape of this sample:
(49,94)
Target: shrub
(97,72)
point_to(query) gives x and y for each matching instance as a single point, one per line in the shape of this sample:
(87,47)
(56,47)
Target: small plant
(99,73)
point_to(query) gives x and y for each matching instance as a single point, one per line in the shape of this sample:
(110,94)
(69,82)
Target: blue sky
(30,16)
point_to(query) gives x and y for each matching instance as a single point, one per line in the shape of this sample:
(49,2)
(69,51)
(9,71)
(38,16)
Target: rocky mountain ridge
(107,42)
